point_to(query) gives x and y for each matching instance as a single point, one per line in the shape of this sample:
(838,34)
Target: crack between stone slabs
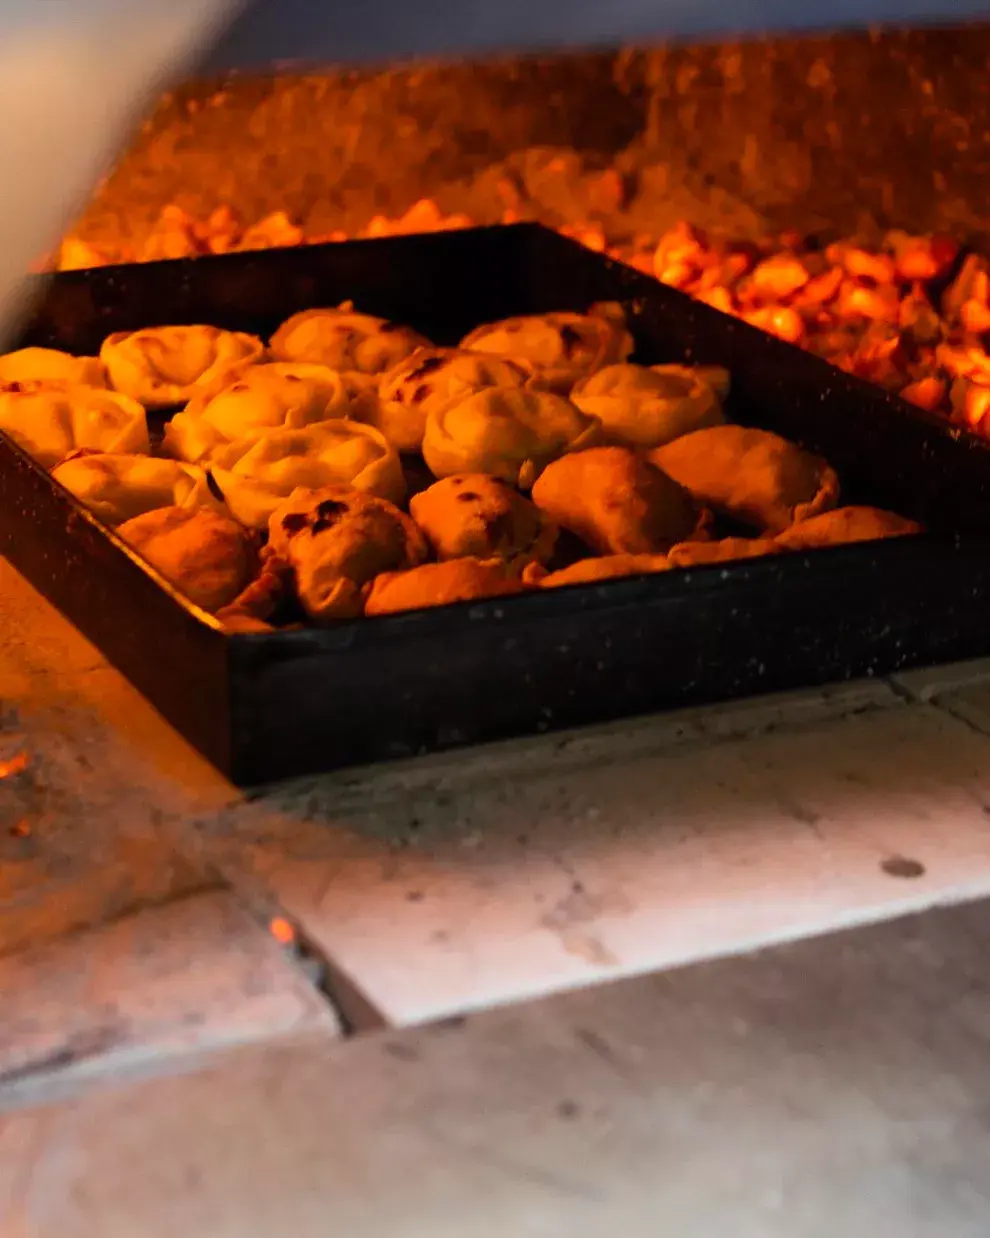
(943,707)
(939,705)
(355,1011)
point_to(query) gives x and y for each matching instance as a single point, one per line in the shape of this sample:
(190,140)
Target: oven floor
(181,962)
(424,890)
(833,1086)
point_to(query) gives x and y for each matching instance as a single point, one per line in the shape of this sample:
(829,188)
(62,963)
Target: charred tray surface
(262,706)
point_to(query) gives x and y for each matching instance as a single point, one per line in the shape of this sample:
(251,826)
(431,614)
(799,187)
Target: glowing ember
(282,930)
(14,765)
(898,314)
(21,829)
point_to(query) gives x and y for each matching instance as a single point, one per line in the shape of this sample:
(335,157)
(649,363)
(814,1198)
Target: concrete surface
(832,1086)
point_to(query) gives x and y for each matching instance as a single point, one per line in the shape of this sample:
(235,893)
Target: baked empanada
(753,475)
(206,555)
(165,366)
(336,540)
(846,524)
(438,584)
(255,607)
(559,347)
(119,487)
(727,550)
(256,474)
(429,378)
(646,407)
(617,503)
(608,567)
(50,424)
(345,340)
(478,516)
(506,432)
(268,396)
(50,368)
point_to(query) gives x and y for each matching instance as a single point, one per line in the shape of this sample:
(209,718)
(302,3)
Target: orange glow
(927,393)
(15,765)
(873,311)
(282,930)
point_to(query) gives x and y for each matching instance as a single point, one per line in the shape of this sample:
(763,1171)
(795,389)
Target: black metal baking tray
(267,706)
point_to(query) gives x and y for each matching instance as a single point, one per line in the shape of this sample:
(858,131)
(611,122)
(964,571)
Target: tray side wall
(175,660)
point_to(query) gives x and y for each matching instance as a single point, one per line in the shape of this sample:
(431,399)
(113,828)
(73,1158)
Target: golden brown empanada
(645,407)
(50,424)
(727,550)
(428,379)
(255,607)
(165,366)
(559,347)
(716,376)
(206,555)
(120,487)
(345,340)
(438,584)
(50,368)
(608,567)
(618,503)
(268,396)
(255,474)
(337,539)
(505,432)
(846,524)
(753,475)
(474,515)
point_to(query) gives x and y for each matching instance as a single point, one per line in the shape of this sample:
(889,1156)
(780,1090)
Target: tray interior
(885,451)
(264,706)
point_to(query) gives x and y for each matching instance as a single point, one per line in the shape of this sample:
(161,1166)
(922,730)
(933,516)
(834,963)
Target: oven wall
(845,134)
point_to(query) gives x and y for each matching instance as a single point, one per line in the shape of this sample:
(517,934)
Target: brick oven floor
(167,1066)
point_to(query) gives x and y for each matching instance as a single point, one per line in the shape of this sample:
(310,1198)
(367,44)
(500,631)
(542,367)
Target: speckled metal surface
(842,133)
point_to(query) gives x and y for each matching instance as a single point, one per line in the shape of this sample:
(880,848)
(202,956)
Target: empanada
(119,487)
(50,424)
(438,584)
(753,475)
(617,503)
(206,555)
(429,378)
(165,366)
(257,473)
(505,432)
(559,347)
(646,407)
(846,524)
(608,567)
(345,340)
(336,540)
(727,550)
(474,515)
(255,607)
(50,368)
(269,396)
(716,376)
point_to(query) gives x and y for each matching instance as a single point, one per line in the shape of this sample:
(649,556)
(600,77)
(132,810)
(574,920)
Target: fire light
(14,765)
